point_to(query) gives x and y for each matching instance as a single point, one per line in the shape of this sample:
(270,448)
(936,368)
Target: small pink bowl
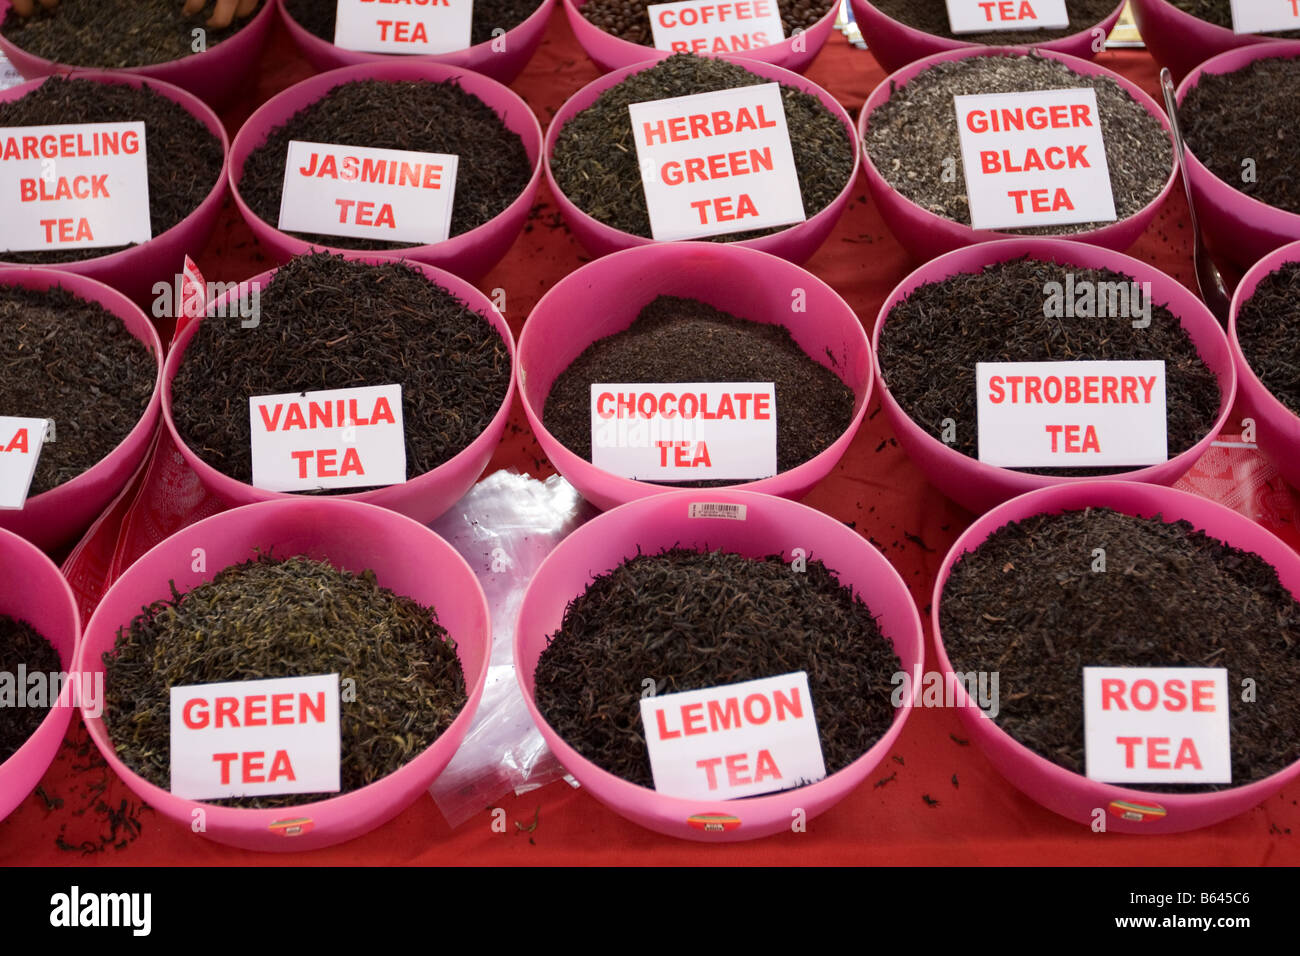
(895,44)
(771,525)
(134,271)
(405,556)
(1240,227)
(37,593)
(605,296)
(926,235)
(55,517)
(1074,795)
(1278,430)
(977,486)
(469,255)
(613,53)
(796,243)
(503,65)
(1179,40)
(424,497)
(214,76)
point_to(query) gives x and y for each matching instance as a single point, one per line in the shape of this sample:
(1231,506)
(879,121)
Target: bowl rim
(1276,260)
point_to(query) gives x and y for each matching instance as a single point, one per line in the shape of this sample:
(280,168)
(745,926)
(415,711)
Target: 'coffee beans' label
(403,26)
(1265,16)
(20,448)
(979,16)
(715,26)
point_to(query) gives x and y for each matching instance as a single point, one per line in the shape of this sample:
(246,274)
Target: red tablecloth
(972,815)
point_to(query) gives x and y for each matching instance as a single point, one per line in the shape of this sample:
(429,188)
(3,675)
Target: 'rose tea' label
(367,193)
(716,163)
(1034,159)
(83,186)
(340,438)
(1265,16)
(979,16)
(715,26)
(21,440)
(403,26)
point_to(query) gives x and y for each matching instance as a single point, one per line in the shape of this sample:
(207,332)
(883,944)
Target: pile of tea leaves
(934,338)
(72,361)
(21,645)
(685,340)
(594,161)
(931,16)
(184,158)
(1229,118)
(911,137)
(298,617)
(1027,605)
(327,323)
(115,34)
(689,620)
(419,116)
(630,19)
(1268,328)
(318,16)
(1218,12)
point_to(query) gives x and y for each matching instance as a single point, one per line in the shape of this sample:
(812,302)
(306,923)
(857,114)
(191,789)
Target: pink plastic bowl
(405,556)
(1278,430)
(34,591)
(771,525)
(1241,228)
(134,271)
(1074,795)
(605,296)
(503,65)
(796,243)
(471,254)
(613,53)
(424,497)
(926,235)
(895,44)
(214,76)
(1179,40)
(55,517)
(977,486)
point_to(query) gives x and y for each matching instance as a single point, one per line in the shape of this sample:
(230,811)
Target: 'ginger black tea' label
(403,26)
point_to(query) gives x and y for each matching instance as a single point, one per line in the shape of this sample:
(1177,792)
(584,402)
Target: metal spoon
(1208,277)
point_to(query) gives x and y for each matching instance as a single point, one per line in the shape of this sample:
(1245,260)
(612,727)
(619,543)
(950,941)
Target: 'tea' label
(1265,16)
(980,16)
(403,26)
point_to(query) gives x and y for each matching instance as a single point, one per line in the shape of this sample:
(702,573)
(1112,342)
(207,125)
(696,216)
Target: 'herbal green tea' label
(20,448)
(403,26)
(715,26)
(978,16)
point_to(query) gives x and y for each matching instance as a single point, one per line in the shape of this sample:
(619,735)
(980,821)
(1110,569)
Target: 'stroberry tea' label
(386,194)
(403,26)
(715,26)
(1157,724)
(1034,159)
(20,449)
(689,431)
(1265,16)
(977,16)
(83,186)
(1071,414)
(714,163)
(736,740)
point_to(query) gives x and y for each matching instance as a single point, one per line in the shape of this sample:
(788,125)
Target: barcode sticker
(713,509)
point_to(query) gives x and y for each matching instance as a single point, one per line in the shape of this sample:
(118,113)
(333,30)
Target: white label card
(338,438)
(1265,16)
(255,738)
(403,26)
(688,431)
(734,741)
(980,16)
(715,163)
(367,193)
(715,26)
(21,440)
(1157,724)
(9,75)
(1034,159)
(83,186)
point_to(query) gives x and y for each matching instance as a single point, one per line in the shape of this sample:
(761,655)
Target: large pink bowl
(1179,40)
(424,497)
(771,525)
(605,296)
(896,44)
(134,271)
(34,591)
(613,53)
(1278,428)
(471,254)
(406,557)
(796,243)
(520,43)
(977,486)
(55,517)
(1074,795)
(214,76)
(926,235)
(1239,227)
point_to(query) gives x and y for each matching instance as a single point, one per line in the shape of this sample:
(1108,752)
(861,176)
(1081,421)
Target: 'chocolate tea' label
(715,26)
(1265,16)
(403,26)
(980,16)
(21,440)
